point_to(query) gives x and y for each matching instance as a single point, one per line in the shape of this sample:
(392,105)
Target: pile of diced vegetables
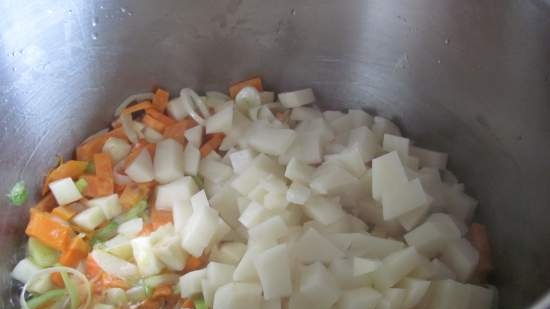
(252,201)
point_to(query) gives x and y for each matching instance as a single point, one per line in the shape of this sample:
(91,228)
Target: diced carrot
(67,212)
(47,203)
(49,229)
(109,281)
(177,130)
(255,82)
(103,165)
(57,280)
(137,107)
(119,188)
(76,251)
(160,100)
(133,193)
(195,263)
(212,144)
(92,269)
(160,217)
(86,151)
(146,230)
(188,303)
(116,123)
(153,123)
(477,234)
(167,120)
(98,186)
(162,291)
(72,169)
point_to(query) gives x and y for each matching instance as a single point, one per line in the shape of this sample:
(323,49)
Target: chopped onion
(120,179)
(51,270)
(127,126)
(189,96)
(133,98)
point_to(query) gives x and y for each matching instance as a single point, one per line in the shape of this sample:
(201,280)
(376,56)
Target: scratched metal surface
(467,77)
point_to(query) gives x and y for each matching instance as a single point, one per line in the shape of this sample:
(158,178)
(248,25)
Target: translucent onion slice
(133,98)
(119,177)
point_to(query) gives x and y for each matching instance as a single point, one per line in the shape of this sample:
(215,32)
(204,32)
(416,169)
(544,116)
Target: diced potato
(462,258)
(275,200)
(342,270)
(119,246)
(271,141)
(89,218)
(238,295)
(131,228)
(350,159)
(254,214)
(416,289)
(24,270)
(318,286)
(241,159)
(395,267)
(228,253)
(259,169)
(65,191)
(273,228)
(108,204)
(430,158)
(273,268)
(191,159)
(168,163)
(214,170)
(430,238)
(298,193)
(222,230)
(362,266)
(360,118)
(147,263)
(413,218)
(246,270)
(480,297)
(199,230)
(323,210)
(299,171)
(141,169)
(446,294)
(404,197)
(305,113)
(441,271)
(396,143)
(383,126)
(115,266)
(225,202)
(387,172)
(176,191)
(331,178)
(361,298)
(271,304)
(221,121)
(297,98)
(116,148)
(306,148)
(313,247)
(317,125)
(169,252)
(374,247)
(181,212)
(365,141)
(342,124)
(392,299)
(190,283)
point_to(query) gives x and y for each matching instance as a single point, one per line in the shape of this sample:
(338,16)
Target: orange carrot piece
(147,229)
(92,269)
(109,281)
(162,291)
(188,303)
(72,169)
(67,212)
(57,280)
(78,250)
(119,188)
(212,144)
(160,100)
(137,107)
(49,229)
(86,151)
(103,165)
(167,120)
(480,240)
(160,217)
(255,82)
(98,186)
(194,263)
(133,193)
(177,130)
(47,203)
(153,123)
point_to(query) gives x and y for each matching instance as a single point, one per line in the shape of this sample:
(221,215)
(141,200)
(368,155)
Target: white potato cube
(24,270)
(387,172)
(360,118)
(108,204)
(298,193)
(141,169)
(214,171)
(323,210)
(194,135)
(395,267)
(271,304)
(119,246)
(246,270)
(273,268)
(168,162)
(351,160)
(446,294)
(228,253)
(398,144)
(147,263)
(89,218)
(319,286)
(190,283)
(259,169)
(238,295)
(305,113)
(383,126)
(306,147)
(275,200)
(392,299)
(374,247)
(181,212)
(430,238)
(313,247)
(191,159)
(219,274)
(176,191)
(297,98)
(169,252)
(115,266)
(271,141)
(362,266)
(416,289)
(130,228)
(462,258)
(241,159)
(273,228)
(361,298)
(430,158)
(404,197)
(299,171)
(480,297)
(365,141)
(200,229)
(116,148)
(225,202)
(331,178)
(220,121)
(65,191)
(254,214)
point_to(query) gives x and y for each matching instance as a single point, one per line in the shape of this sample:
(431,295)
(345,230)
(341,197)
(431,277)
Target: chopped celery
(81,184)
(39,300)
(200,303)
(90,168)
(71,289)
(133,213)
(18,194)
(105,233)
(41,254)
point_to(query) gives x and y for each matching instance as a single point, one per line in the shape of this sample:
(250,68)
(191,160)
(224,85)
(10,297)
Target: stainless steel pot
(468,77)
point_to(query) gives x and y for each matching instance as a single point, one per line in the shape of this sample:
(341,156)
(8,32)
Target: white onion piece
(120,178)
(133,98)
(51,270)
(96,134)
(128,127)
(187,97)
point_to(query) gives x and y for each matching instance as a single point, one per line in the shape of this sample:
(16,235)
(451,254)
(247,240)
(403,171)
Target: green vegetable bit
(81,184)
(200,303)
(90,168)
(134,212)
(18,194)
(41,254)
(105,233)
(39,300)
(71,288)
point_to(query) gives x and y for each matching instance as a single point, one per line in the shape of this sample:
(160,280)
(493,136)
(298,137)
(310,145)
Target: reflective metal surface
(468,77)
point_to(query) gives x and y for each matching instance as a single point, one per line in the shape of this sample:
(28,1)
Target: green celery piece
(200,303)
(90,168)
(105,233)
(71,289)
(18,194)
(39,300)
(81,184)
(41,254)
(133,213)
